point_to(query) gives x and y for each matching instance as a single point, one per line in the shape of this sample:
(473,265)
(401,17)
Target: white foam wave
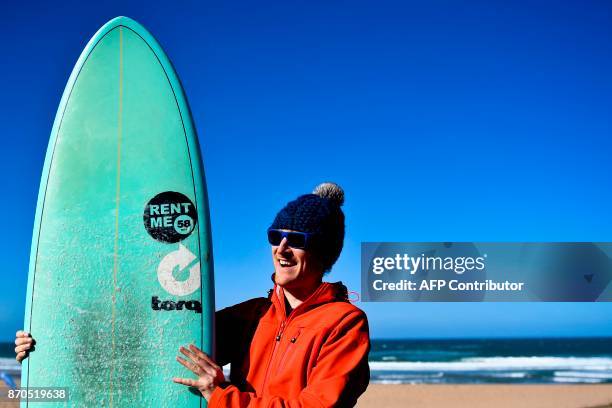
(404,376)
(509,375)
(499,364)
(577,380)
(390,382)
(584,374)
(10,365)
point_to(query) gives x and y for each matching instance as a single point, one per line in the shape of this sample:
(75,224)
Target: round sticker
(170,217)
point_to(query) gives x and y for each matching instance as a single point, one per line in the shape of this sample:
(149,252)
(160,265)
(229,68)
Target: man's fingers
(21,333)
(197,361)
(201,370)
(202,360)
(205,364)
(201,354)
(188,353)
(196,350)
(22,348)
(185,381)
(194,368)
(185,363)
(23,340)
(20,356)
(202,364)
(208,370)
(204,356)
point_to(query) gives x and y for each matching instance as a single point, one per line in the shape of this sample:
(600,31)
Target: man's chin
(283,278)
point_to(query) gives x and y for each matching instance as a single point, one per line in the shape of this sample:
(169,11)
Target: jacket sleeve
(340,376)
(234,328)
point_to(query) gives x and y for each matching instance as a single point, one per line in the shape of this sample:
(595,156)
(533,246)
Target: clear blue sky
(443,121)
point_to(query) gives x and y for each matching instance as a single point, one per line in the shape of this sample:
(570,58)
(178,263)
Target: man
(304,345)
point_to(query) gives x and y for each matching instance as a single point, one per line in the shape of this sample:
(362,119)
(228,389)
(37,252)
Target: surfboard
(121,265)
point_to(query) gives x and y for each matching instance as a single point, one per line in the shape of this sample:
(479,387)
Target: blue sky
(443,121)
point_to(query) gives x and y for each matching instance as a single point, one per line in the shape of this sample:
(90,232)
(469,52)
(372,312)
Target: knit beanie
(318,213)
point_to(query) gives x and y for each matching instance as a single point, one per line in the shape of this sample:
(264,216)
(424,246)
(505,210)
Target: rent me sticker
(170,217)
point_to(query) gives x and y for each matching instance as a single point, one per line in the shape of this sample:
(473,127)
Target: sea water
(468,361)
(475,361)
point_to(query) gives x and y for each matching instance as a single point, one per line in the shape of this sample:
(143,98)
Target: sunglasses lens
(274,237)
(296,240)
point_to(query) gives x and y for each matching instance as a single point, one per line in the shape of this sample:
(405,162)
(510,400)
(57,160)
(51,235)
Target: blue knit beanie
(318,213)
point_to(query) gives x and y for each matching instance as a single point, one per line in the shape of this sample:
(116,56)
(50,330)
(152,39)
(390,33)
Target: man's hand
(25,344)
(209,373)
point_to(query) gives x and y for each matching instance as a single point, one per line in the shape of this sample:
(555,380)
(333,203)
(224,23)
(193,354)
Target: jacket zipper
(288,350)
(277,339)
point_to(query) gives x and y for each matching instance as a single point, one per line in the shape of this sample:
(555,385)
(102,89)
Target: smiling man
(305,345)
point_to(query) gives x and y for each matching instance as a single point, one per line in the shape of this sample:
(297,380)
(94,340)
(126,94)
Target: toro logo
(179,259)
(157,305)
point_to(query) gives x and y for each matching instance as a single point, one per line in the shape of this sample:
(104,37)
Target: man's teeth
(282,262)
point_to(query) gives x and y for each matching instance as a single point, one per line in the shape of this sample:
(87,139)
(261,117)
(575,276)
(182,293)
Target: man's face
(295,268)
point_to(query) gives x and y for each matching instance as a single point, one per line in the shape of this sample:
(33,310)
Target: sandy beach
(4,401)
(477,396)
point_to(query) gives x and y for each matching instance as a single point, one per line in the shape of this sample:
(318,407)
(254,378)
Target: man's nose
(283,246)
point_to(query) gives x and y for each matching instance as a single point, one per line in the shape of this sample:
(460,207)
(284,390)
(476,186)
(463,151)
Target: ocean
(469,361)
(483,361)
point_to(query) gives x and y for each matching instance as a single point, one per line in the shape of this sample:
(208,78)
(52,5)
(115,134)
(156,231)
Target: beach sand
(477,396)
(4,401)
(471,396)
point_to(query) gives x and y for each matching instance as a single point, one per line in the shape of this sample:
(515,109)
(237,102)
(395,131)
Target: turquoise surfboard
(121,266)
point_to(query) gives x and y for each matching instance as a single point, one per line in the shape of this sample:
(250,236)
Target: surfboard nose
(122,20)
(126,22)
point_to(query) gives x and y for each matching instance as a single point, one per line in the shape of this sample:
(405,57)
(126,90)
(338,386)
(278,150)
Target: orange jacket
(315,357)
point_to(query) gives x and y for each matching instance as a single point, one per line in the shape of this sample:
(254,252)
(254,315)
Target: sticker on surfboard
(181,259)
(170,217)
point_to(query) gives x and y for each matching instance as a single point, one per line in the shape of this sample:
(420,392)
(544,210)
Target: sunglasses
(295,239)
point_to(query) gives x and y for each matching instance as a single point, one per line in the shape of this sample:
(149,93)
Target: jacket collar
(327,292)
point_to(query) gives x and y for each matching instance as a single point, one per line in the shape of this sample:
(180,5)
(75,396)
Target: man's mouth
(285,263)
